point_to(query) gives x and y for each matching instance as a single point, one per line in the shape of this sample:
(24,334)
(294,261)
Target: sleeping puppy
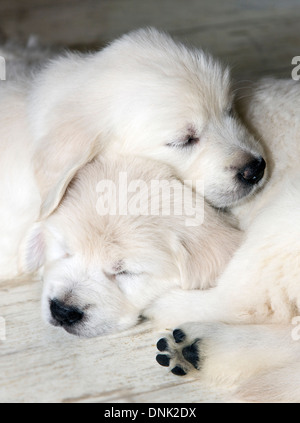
(148,96)
(101,270)
(103,266)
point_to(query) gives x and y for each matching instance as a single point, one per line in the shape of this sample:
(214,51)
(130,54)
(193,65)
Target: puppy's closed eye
(188,141)
(125,273)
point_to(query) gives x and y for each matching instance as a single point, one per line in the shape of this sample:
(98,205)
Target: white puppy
(101,269)
(143,95)
(261,283)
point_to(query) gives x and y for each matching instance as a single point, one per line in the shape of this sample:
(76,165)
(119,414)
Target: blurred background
(255,37)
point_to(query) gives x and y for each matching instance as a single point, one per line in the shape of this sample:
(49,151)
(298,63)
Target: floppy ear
(32,251)
(65,125)
(206,249)
(40,242)
(58,157)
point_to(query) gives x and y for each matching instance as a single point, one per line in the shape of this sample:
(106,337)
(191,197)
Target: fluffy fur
(112,267)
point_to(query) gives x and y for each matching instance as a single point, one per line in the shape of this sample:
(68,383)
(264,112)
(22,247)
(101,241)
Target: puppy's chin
(231,198)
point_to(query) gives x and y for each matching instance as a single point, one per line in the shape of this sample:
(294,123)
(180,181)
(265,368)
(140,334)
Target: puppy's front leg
(179,306)
(241,294)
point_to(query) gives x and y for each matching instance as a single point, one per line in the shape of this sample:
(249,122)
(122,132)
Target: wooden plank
(255,38)
(268,50)
(39,363)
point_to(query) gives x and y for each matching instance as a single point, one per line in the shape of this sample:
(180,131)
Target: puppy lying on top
(143,95)
(104,264)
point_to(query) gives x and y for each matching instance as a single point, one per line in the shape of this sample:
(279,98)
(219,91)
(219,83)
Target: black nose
(64,314)
(253,172)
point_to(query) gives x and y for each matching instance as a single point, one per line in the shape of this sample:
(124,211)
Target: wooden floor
(42,364)
(39,363)
(255,37)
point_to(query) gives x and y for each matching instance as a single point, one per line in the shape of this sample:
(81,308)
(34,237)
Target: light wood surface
(255,37)
(42,364)
(39,363)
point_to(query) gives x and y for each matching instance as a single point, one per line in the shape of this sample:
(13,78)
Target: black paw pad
(163,360)
(191,354)
(178,371)
(179,336)
(162,345)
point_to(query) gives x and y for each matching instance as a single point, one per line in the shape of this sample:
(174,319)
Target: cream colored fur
(115,266)
(146,96)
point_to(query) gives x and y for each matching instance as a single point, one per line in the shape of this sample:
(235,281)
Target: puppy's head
(149,96)
(177,105)
(104,265)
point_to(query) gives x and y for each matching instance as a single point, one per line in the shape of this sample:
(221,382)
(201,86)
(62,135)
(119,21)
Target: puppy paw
(180,352)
